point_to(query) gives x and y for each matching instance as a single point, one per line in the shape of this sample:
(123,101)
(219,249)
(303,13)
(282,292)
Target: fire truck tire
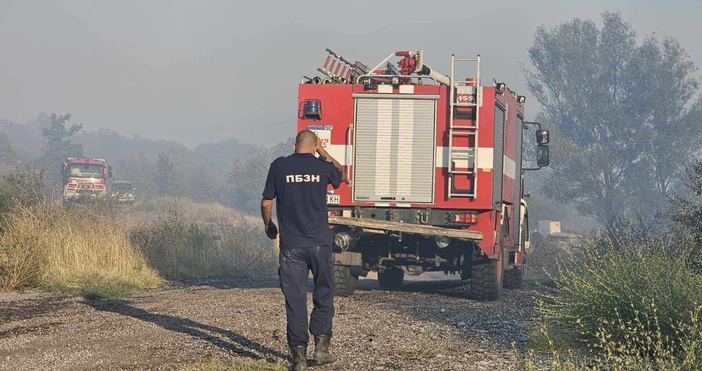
(513,278)
(344,281)
(466,269)
(485,280)
(391,278)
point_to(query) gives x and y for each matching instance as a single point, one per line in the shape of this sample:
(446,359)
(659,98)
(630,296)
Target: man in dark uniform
(299,184)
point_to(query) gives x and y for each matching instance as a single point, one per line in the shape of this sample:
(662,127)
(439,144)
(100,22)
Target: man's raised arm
(322,152)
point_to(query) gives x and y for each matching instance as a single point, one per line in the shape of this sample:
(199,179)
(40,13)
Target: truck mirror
(542,137)
(542,155)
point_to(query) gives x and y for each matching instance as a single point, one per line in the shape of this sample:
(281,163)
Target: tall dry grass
(181,247)
(106,251)
(75,250)
(152,209)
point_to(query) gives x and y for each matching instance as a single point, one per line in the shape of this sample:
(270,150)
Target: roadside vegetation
(47,246)
(624,303)
(180,247)
(625,299)
(630,297)
(110,251)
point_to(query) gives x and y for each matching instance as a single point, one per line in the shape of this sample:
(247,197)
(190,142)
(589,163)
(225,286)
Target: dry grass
(181,247)
(70,250)
(209,213)
(108,251)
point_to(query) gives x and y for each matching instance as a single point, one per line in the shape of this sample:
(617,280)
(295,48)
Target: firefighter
(299,184)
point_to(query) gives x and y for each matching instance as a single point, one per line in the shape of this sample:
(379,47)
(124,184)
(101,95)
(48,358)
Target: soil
(428,324)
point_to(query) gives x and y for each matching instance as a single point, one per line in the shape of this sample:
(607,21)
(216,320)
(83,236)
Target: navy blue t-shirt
(299,185)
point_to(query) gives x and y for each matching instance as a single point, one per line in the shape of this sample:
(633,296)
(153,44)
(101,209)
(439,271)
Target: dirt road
(428,325)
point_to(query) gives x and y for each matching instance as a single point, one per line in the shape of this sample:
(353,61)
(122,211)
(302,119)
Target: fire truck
(434,167)
(84,179)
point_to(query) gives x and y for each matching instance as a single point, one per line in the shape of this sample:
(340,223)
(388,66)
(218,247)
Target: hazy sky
(200,71)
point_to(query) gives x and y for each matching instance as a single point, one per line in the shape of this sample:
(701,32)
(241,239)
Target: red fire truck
(84,179)
(435,171)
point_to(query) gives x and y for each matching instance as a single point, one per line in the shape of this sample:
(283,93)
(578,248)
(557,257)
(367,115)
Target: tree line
(228,172)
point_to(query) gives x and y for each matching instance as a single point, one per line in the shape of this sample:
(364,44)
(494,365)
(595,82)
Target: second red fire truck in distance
(435,171)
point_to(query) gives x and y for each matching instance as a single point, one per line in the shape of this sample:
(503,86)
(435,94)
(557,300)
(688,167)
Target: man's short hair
(306,139)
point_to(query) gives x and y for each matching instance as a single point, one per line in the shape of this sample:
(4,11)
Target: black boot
(299,358)
(321,350)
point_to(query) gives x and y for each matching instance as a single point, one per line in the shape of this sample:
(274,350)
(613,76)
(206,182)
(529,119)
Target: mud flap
(353,260)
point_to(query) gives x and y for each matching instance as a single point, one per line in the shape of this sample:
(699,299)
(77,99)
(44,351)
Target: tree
(247,175)
(139,170)
(58,145)
(164,174)
(662,93)
(7,152)
(686,212)
(601,92)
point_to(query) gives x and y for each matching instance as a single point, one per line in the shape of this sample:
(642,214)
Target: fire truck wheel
(344,281)
(391,278)
(466,269)
(513,278)
(485,282)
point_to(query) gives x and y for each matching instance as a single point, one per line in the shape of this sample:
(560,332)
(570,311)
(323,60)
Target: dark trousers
(295,265)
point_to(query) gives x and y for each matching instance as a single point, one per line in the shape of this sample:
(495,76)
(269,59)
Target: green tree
(686,211)
(59,145)
(164,174)
(139,170)
(7,152)
(247,175)
(662,94)
(601,92)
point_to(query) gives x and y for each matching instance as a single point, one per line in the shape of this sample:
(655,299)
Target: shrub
(631,302)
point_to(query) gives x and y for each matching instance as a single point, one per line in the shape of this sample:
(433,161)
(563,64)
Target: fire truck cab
(436,181)
(84,179)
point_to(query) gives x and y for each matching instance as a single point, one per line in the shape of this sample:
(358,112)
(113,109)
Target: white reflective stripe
(384,88)
(405,139)
(382,150)
(382,204)
(406,89)
(509,167)
(485,157)
(338,151)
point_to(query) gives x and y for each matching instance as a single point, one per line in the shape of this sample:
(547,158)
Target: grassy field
(70,250)
(114,251)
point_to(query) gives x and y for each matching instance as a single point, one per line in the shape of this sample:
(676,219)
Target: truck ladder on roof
(465,154)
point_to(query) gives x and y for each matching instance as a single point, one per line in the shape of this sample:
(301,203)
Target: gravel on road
(429,324)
